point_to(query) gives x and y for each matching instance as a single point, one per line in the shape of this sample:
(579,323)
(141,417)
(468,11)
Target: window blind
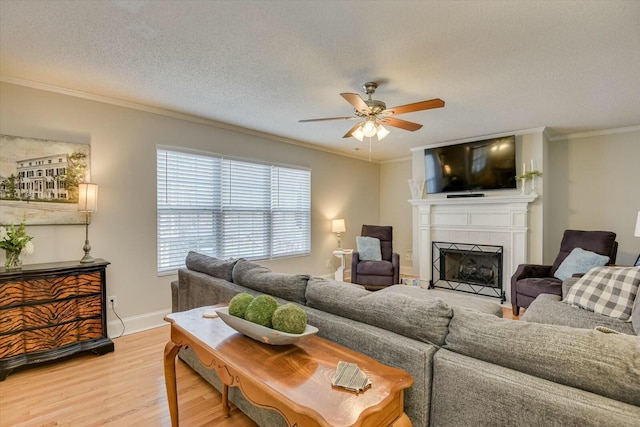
(229,208)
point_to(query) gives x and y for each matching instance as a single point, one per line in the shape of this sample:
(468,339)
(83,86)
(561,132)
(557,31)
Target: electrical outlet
(409,256)
(328,263)
(112,301)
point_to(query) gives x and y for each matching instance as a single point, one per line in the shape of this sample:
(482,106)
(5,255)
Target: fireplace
(466,267)
(499,220)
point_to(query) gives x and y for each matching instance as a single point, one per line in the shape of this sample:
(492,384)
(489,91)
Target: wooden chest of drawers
(48,311)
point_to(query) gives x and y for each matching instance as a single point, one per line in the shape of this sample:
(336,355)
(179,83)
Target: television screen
(489,164)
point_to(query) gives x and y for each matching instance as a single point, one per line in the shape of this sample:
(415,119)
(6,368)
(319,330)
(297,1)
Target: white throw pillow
(610,291)
(369,248)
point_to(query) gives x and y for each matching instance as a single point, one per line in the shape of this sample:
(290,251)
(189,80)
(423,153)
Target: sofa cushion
(219,268)
(605,364)
(454,299)
(423,320)
(549,309)
(474,393)
(291,287)
(369,248)
(375,268)
(610,291)
(579,261)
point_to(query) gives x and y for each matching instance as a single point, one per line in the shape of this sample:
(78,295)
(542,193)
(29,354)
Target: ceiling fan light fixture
(369,128)
(382,132)
(357,134)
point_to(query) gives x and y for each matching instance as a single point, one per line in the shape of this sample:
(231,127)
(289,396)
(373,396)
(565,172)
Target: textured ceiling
(264,65)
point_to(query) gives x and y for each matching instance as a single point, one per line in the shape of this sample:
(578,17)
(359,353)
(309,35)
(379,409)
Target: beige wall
(123,231)
(594,184)
(395,209)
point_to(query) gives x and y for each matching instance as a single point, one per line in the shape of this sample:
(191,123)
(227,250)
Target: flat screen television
(489,164)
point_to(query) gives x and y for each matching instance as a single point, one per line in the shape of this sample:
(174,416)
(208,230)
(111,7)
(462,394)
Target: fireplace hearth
(469,268)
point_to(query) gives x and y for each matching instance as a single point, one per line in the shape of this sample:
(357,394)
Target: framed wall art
(39,180)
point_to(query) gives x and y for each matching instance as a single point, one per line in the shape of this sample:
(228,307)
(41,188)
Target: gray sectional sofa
(470,366)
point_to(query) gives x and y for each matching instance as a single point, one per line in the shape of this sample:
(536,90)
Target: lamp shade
(369,128)
(382,132)
(637,233)
(337,226)
(357,134)
(87,197)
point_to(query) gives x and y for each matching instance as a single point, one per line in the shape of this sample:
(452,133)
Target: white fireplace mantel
(492,220)
(490,200)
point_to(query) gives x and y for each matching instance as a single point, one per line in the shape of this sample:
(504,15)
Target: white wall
(394,209)
(123,163)
(594,184)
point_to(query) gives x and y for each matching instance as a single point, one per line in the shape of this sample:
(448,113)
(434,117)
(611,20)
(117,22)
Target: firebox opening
(468,268)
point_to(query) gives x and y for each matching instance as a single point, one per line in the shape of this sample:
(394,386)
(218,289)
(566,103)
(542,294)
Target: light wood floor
(124,388)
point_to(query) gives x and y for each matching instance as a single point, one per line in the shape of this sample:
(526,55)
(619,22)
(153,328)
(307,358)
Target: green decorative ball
(239,303)
(261,309)
(289,318)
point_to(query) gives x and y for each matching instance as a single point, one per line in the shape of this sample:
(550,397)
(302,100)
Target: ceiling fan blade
(357,102)
(416,106)
(328,118)
(353,129)
(402,124)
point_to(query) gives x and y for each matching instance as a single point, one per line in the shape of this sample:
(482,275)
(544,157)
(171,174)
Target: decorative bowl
(262,333)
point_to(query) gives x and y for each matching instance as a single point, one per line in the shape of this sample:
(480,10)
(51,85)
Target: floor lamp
(87,203)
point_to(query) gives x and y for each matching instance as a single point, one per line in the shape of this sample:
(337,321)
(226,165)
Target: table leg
(402,421)
(170,353)
(226,410)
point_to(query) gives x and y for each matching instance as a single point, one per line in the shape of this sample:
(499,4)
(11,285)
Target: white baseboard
(138,323)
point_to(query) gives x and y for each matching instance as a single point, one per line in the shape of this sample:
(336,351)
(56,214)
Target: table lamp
(87,203)
(337,226)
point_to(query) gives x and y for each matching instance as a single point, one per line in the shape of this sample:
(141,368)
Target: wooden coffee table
(293,379)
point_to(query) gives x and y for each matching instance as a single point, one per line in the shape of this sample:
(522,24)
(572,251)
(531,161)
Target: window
(229,208)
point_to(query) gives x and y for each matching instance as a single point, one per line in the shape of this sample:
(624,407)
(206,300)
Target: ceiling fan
(374,114)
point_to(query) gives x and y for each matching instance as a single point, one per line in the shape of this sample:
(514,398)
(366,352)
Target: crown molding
(173,114)
(540,130)
(398,160)
(590,134)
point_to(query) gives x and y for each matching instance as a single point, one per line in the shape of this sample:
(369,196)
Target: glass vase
(523,189)
(13,261)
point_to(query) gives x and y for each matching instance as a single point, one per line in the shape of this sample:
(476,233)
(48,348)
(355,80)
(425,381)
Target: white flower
(28,248)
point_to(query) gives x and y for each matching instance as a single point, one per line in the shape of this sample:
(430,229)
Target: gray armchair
(375,275)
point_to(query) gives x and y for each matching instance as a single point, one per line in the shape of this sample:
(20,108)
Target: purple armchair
(375,275)
(531,280)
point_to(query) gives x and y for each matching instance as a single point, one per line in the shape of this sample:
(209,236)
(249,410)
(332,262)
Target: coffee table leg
(402,421)
(225,401)
(170,352)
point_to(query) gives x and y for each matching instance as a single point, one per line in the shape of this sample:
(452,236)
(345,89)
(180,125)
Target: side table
(341,253)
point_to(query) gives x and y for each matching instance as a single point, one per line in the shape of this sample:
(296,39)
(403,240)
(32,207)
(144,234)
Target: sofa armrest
(525,271)
(355,259)
(395,260)
(175,300)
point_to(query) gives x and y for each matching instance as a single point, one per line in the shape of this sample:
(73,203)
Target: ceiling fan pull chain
(369,148)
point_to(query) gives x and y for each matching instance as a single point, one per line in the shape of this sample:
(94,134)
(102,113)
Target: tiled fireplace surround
(494,220)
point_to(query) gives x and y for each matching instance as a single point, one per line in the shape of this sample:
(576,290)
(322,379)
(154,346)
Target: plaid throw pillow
(609,291)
